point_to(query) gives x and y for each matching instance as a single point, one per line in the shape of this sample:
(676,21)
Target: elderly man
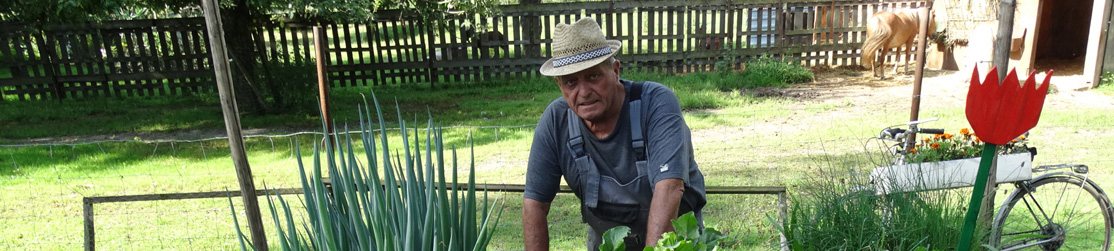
(622,146)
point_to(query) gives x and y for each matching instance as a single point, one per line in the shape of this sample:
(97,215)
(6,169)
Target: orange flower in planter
(999,113)
(965,132)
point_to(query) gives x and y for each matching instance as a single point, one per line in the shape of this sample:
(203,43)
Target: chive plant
(411,207)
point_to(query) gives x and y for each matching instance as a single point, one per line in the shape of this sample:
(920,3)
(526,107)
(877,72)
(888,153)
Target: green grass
(739,140)
(503,102)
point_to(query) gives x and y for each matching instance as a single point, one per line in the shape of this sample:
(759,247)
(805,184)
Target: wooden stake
(232,122)
(321,56)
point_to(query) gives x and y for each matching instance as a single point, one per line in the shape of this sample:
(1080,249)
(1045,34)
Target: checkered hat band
(581,57)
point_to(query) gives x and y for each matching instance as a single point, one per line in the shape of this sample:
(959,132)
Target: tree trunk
(238,23)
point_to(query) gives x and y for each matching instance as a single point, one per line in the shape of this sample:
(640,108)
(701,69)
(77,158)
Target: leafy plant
(941,147)
(686,235)
(411,207)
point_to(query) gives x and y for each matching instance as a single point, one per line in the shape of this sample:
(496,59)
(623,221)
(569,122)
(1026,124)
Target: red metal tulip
(1000,113)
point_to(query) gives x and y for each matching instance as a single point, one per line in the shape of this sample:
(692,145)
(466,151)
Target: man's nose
(582,91)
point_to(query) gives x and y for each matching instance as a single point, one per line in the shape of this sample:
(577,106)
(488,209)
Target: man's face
(594,93)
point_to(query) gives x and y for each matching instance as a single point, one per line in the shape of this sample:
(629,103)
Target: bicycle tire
(1063,210)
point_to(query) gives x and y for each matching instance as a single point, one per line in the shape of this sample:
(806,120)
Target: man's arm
(535,229)
(663,208)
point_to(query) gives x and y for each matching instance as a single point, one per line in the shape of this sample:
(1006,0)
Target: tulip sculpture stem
(988,151)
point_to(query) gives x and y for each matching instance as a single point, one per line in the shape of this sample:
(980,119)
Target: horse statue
(887,30)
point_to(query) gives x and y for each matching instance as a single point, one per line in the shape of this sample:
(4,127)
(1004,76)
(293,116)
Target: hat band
(582,57)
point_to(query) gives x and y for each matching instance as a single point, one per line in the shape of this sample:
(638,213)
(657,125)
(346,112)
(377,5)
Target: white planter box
(947,174)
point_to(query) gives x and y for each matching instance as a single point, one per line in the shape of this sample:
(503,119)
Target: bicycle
(1061,209)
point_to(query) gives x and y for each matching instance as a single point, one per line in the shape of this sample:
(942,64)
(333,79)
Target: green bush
(412,207)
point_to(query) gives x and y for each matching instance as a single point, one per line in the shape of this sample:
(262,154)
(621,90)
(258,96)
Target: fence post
(783,215)
(87,208)
(322,58)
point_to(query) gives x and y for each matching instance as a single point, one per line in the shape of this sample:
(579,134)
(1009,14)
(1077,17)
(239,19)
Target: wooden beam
(232,122)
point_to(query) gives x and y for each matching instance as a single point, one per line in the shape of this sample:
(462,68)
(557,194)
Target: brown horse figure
(887,30)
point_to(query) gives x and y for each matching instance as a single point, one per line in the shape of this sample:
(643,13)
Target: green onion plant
(411,207)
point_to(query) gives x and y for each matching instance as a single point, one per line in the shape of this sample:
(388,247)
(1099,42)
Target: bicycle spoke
(1075,203)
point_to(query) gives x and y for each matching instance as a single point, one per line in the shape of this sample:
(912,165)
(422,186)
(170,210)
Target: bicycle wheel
(1054,212)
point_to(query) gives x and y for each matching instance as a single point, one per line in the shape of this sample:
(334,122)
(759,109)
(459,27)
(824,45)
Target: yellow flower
(1022,137)
(948,136)
(964,131)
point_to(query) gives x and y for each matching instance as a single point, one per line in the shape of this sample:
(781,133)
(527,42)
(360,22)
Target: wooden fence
(159,57)
(118,58)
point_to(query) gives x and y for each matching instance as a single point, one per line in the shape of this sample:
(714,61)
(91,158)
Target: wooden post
(1001,61)
(1005,36)
(232,122)
(918,75)
(90,235)
(322,58)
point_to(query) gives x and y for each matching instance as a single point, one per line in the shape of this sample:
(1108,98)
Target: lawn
(759,137)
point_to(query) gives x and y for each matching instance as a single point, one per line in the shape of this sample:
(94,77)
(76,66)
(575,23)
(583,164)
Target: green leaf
(687,227)
(613,239)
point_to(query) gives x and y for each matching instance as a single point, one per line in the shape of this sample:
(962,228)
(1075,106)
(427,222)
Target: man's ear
(616,68)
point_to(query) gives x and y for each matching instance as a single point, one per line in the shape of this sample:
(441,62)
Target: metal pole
(321,56)
(232,122)
(918,75)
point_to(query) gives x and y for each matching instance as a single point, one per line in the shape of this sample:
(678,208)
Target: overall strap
(637,141)
(582,162)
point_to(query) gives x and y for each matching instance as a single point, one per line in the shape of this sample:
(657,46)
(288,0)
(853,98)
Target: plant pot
(947,174)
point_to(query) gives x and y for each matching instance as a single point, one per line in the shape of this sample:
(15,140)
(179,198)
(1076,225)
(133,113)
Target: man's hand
(535,229)
(667,198)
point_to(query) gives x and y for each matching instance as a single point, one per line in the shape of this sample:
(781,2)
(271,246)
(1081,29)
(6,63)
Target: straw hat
(578,46)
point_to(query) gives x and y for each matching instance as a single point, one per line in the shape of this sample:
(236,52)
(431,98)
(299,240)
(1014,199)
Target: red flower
(999,113)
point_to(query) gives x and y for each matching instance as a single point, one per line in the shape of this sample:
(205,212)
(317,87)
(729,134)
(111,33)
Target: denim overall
(607,203)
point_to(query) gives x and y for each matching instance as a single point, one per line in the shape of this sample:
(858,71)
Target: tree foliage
(77,11)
